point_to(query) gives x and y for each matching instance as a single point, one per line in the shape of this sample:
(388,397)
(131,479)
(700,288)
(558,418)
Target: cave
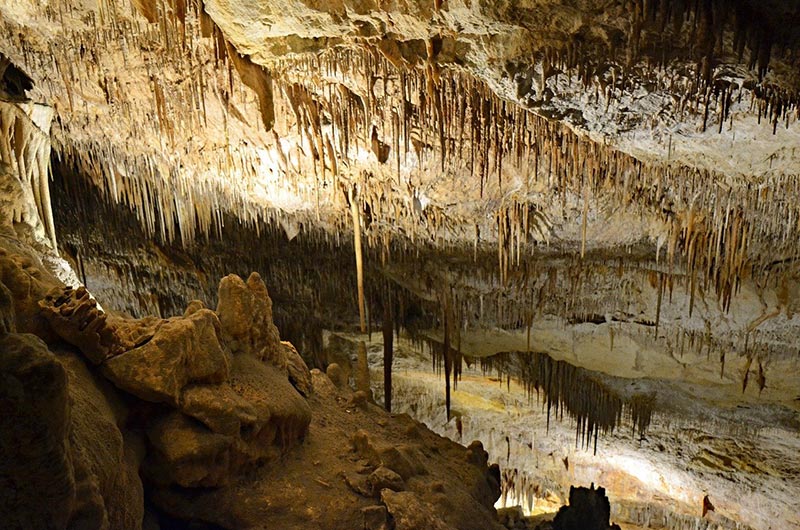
(400,265)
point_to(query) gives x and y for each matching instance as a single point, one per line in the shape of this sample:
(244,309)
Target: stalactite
(25,147)
(593,406)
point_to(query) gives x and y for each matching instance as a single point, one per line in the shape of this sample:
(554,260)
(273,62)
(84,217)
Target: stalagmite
(354,212)
(362,380)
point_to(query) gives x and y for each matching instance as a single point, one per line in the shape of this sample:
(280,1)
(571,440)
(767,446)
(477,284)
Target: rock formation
(588,509)
(580,215)
(207,408)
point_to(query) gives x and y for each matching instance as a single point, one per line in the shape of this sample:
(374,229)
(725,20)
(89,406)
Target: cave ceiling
(598,161)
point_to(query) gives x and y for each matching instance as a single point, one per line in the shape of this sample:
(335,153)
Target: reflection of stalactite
(595,407)
(388,350)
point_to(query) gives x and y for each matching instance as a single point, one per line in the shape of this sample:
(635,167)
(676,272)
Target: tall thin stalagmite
(359,261)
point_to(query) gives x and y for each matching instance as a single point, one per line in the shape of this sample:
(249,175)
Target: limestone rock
(402,459)
(133,333)
(359,399)
(383,477)
(28,282)
(37,485)
(588,509)
(245,313)
(283,414)
(511,517)
(183,350)
(322,384)
(375,518)
(476,454)
(193,307)
(7,316)
(106,461)
(358,484)
(362,372)
(299,375)
(336,375)
(410,512)
(186,453)
(75,317)
(362,444)
(220,408)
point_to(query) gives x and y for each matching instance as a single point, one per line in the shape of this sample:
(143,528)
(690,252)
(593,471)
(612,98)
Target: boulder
(182,351)
(8,319)
(74,316)
(299,374)
(410,512)
(375,518)
(28,282)
(363,446)
(193,307)
(184,452)
(336,375)
(402,459)
(106,461)
(245,314)
(322,384)
(220,409)
(588,509)
(383,477)
(37,484)
(282,412)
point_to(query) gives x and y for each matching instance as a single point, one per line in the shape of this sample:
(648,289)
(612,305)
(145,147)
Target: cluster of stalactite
(711,226)
(565,387)
(653,515)
(25,147)
(519,486)
(709,36)
(166,76)
(349,101)
(312,276)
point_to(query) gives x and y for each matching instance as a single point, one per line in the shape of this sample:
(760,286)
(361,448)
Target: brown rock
(74,316)
(186,453)
(358,484)
(410,512)
(134,333)
(183,350)
(28,282)
(375,518)
(245,314)
(283,414)
(362,444)
(359,399)
(383,477)
(362,372)
(336,375)
(7,316)
(476,454)
(106,461)
(220,408)
(299,375)
(193,307)
(37,485)
(402,460)
(322,384)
